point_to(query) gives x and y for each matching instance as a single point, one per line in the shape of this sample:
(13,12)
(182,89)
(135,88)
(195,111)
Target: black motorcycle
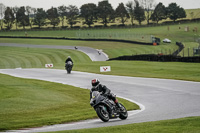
(106,108)
(68,66)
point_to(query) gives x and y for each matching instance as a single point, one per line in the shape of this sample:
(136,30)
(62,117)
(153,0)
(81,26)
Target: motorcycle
(106,108)
(68,66)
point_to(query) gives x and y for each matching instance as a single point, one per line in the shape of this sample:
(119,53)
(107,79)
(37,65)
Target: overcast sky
(46,4)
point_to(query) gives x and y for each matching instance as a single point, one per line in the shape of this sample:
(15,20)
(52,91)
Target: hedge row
(162,58)
(152,24)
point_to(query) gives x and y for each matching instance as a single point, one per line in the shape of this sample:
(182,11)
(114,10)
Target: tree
(122,13)
(40,17)
(89,13)
(30,12)
(9,18)
(52,15)
(2,12)
(62,11)
(139,12)
(130,8)
(105,12)
(22,18)
(72,15)
(159,13)
(148,7)
(182,13)
(15,10)
(175,12)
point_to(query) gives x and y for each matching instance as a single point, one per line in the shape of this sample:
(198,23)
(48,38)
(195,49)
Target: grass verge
(32,103)
(183,125)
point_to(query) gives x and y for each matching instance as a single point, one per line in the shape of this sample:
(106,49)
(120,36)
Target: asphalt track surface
(159,99)
(95,55)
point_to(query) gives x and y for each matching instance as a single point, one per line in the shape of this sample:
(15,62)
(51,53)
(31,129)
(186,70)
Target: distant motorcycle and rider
(68,65)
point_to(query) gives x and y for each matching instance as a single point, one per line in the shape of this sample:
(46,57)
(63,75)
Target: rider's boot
(118,105)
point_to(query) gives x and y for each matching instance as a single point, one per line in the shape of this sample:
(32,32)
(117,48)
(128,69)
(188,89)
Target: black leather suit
(68,59)
(105,91)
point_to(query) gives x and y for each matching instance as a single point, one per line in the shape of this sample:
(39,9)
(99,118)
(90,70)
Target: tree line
(139,10)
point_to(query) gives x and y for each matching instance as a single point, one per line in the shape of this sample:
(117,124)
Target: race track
(159,99)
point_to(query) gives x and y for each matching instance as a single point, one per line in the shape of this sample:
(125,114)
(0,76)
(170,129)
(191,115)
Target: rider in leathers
(69,59)
(96,86)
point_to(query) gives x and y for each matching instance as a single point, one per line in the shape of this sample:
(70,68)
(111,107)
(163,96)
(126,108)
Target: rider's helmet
(95,83)
(69,57)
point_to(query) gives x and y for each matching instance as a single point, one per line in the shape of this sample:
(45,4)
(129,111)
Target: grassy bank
(173,32)
(165,70)
(176,33)
(33,103)
(112,49)
(12,57)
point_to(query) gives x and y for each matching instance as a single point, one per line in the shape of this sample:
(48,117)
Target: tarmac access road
(159,99)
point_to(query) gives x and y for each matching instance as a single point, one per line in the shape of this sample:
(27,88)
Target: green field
(173,32)
(176,33)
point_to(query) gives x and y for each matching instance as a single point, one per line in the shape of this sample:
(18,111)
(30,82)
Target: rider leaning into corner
(96,86)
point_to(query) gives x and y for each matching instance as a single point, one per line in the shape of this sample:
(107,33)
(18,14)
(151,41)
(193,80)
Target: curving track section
(92,53)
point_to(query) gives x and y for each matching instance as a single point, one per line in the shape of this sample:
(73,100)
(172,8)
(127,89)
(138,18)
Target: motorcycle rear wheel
(102,113)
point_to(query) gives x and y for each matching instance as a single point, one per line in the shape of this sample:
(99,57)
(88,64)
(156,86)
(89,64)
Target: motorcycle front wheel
(102,113)
(68,70)
(124,114)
